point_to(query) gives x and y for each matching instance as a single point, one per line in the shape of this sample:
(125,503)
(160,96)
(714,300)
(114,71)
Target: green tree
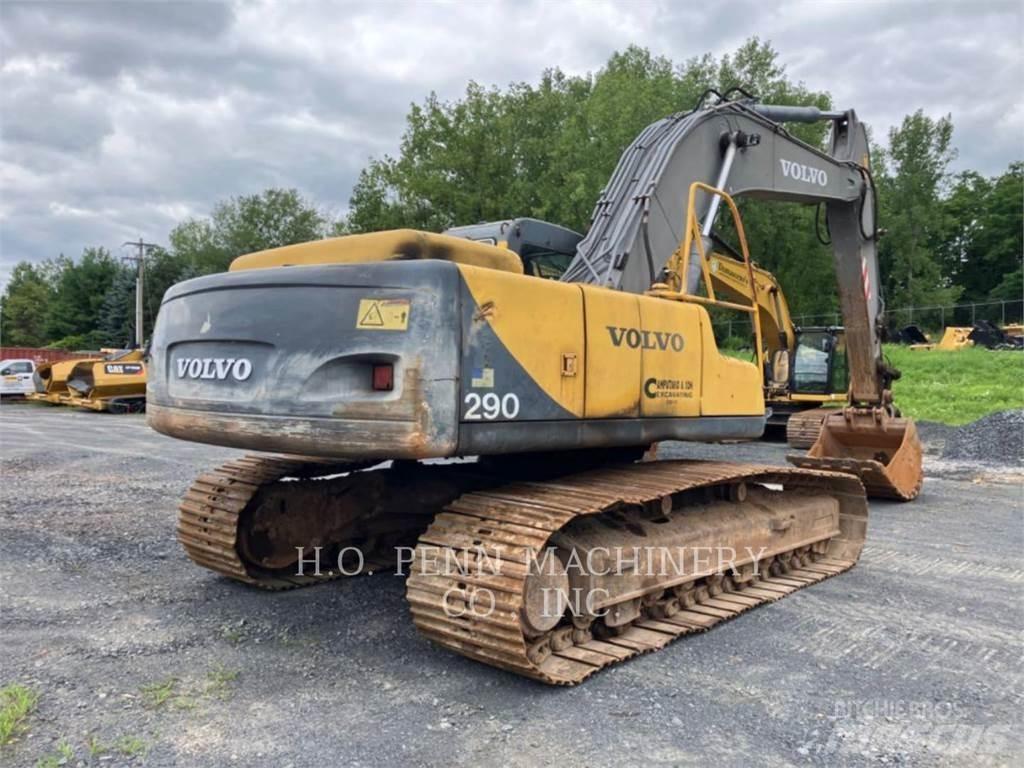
(983,242)
(80,290)
(240,225)
(164,268)
(547,150)
(915,176)
(24,307)
(117,314)
(195,243)
(245,224)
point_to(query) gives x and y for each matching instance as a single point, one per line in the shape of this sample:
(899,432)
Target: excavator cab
(545,249)
(819,365)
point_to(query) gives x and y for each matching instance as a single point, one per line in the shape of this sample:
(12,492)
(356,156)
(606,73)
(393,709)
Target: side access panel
(670,384)
(549,366)
(614,358)
(522,351)
(730,387)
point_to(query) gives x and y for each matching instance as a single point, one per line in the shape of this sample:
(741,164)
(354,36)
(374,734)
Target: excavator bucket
(883,451)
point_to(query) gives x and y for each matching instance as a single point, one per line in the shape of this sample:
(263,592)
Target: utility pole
(140,279)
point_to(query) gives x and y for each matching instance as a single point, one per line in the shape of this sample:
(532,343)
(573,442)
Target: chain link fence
(928,319)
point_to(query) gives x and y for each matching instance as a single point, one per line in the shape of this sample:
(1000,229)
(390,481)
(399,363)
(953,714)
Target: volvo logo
(801,172)
(634,338)
(219,368)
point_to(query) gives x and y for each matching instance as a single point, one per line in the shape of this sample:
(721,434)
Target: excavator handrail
(691,237)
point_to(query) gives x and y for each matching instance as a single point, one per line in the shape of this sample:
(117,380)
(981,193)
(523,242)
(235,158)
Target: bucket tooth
(882,450)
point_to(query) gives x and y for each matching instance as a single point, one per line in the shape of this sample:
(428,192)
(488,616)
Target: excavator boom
(639,221)
(638,227)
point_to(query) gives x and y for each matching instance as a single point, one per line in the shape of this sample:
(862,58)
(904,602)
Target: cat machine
(116,384)
(50,380)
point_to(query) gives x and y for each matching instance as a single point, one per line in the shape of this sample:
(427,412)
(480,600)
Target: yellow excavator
(805,367)
(546,547)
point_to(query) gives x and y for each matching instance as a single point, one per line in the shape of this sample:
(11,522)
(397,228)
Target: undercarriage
(549,575)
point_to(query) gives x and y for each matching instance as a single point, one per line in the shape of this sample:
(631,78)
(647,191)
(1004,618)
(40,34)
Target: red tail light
(383,377)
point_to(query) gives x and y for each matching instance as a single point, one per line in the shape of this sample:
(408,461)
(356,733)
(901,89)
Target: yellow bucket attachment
(883,451)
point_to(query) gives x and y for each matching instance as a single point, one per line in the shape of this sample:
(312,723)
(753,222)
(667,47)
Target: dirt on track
(911,658)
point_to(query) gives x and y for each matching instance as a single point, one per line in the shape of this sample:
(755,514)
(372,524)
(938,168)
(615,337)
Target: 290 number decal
(490,406)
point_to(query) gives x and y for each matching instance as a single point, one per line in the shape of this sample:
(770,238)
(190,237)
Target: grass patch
(64,756)
(95,746)
(16,704)
(218,679)
(158,693)
(190,694)
(232,634)
(957,387)
(950,387)
(131,746)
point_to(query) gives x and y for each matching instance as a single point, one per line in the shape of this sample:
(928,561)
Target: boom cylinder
(786,114)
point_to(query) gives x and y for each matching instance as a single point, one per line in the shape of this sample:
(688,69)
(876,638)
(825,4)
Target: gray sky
(121,119)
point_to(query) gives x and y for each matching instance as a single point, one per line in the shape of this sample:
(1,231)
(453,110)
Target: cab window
(811,369)
(544,263)
(840,366)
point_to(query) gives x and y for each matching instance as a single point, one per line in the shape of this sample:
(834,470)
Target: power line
(140,280)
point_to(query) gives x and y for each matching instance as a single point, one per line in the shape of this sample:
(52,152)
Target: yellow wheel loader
(557,551)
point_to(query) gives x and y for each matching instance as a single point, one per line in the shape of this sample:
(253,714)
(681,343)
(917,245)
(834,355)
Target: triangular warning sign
(373,316)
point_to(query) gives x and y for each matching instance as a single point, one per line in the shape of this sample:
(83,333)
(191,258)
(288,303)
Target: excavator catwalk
(471,407)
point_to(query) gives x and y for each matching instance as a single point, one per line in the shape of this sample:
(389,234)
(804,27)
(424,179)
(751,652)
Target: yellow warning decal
(383,314)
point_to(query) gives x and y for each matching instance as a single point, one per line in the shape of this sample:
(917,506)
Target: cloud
(118,119)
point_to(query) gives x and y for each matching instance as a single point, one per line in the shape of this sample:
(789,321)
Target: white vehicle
(16,377)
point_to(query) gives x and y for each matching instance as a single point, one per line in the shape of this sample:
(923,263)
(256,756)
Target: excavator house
(550,364)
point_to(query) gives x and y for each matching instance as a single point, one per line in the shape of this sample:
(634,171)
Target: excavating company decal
(802,172)
(668,389)
(637,339)
(239,368)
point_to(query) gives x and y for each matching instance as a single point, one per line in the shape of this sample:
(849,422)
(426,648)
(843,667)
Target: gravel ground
(911,658)
(994,439)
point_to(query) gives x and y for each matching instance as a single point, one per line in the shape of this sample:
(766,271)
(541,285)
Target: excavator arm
(640,226)
(640,218)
